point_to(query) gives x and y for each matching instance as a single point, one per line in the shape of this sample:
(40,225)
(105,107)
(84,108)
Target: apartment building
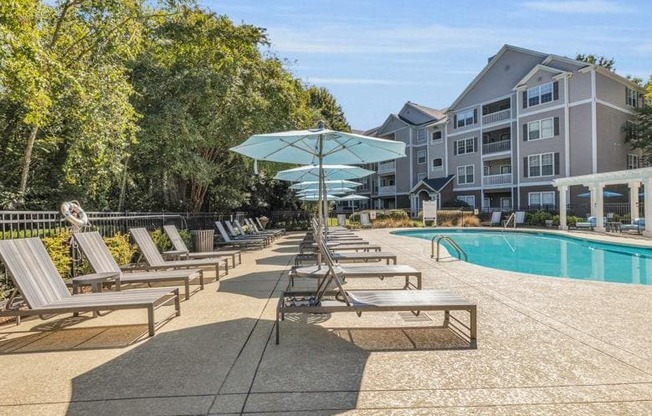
(527,118)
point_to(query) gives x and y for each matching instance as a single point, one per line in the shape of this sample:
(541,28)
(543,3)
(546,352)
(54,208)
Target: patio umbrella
(606,194)
(335,190)
(315,184)
(353,197)
(315,197)
(331,172)
(318,147)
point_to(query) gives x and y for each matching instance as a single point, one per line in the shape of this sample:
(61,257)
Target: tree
(607,63)
(327,109)
(638,132)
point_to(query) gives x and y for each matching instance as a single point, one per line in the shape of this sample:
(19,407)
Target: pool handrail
(456,247)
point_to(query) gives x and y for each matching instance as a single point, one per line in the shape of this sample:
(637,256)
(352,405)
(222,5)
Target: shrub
(355,217)
(455,203)
(398,214)
(121,248)
(537,218)
(59,250)
(392,223)
(161,240)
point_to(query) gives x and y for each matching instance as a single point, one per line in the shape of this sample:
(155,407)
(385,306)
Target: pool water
(549,254)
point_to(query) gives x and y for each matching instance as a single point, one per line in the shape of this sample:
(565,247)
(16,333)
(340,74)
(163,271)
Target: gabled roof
(432,112)
(571,61)
(491,63)
(534,70)
(390,118)
(433,184)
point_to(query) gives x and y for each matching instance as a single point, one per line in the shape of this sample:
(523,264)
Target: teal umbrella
(315,184)
(331,172)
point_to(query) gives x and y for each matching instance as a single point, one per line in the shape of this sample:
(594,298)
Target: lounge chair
(519,218)
(98,254)
(354,271)
(325,300)
(590,223)
(638,225)
(42,289)
(241,235)
(254,232)
(262,227)
(495,219)
(365,221)
(261,230)
(155,260)
(243,242)
(341,220)
(181,250)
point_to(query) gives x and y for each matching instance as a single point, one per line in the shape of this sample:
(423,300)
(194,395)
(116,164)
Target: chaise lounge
(44,292)
(181,250)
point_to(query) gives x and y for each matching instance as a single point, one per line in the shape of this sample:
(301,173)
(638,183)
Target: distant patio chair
(242,242)
(365,221)
(519,218)
(181,250)
(495,219)
(638,225)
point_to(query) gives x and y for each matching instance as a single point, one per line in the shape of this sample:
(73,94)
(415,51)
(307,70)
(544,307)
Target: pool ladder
(460,253)
(510,219)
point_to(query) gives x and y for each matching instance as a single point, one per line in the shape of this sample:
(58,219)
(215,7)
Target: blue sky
(376,55)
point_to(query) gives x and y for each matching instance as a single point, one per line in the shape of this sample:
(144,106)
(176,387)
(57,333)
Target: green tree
(638,132)
(327,109)
(608,63)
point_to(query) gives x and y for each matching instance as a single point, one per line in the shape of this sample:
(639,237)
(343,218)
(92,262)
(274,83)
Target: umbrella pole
(322,185)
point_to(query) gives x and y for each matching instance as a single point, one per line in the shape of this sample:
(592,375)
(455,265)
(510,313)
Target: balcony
(497,117)
(387,190)
(386,167)
(502,179)
(497,147)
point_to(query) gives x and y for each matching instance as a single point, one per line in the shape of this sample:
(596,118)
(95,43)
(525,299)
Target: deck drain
(410,317)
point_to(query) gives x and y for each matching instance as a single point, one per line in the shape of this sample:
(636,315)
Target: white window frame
(462,146)
(504,171)
(504,205)
(440,167)
(633,161)
(537,126)
(631,97)
(469,199)
(432,136)
(536,96)
(421,157)
(465,118)
(537,161)
(486,170)
(466,174)
(540,196)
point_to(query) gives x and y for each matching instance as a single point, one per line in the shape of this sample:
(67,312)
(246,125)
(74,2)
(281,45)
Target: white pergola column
(633,198)
(647,201)
(563,225)
(598,200)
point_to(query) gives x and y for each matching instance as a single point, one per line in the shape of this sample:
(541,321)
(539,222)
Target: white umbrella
(318,147)
(331,172)
(353,197)
(315,197)
(315,184)
(330,189)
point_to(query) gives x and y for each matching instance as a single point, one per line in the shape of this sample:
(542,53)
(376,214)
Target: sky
(375,55)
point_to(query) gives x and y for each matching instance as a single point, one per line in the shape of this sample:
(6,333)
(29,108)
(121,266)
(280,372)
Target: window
(421,157)
(436,136)
(486,171)
(437,164)
(633,162)
(469,199)
(540,129)
(421,135)
(465,118)
(631,97)
(465,146)
(541,165)
(421,176)
(464,174)
(505,203)
(540,94)
(541,199)
(504,169)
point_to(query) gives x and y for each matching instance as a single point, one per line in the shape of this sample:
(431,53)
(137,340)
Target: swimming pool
(549,254)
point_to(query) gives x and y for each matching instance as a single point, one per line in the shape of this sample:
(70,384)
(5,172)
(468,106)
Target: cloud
(369,81)
(578,6)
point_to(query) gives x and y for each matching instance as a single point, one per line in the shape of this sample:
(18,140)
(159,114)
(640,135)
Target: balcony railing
(497,116)
(386,167)
(503,179)
(384,190)
(496,147)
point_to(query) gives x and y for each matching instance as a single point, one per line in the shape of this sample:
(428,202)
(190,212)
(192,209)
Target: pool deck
(546,346)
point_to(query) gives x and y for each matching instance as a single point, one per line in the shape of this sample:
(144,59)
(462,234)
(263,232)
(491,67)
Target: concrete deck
(546,346)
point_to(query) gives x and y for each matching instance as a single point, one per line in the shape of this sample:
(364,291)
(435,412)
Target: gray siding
(612,149)
(580,140)
(579,86)
(610,90)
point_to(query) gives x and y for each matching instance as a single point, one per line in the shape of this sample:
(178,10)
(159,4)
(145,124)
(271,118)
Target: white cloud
(579,6)
(358,81)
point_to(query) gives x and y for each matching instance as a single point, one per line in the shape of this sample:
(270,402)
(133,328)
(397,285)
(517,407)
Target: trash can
(202,240)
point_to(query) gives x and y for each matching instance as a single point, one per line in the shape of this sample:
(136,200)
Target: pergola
(596,183)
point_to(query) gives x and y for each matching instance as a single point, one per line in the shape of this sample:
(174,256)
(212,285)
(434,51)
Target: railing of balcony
(384,190)
(505,178)
(497,116)
(495,147)
(386,167)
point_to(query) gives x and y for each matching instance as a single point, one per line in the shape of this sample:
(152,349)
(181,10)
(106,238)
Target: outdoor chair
(590,223)
(261,230)
(254,231)
(365,221)
(262,227)
(240,235)
(638,225)
(227,240)
(44,292)
(326,300)
(519,218)
(98,254)
(181,250)
(155,260)
(495,219)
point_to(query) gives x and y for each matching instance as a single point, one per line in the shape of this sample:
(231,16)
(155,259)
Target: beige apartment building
(527,118)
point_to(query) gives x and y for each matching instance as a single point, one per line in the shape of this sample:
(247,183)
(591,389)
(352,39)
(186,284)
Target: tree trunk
(28,159)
